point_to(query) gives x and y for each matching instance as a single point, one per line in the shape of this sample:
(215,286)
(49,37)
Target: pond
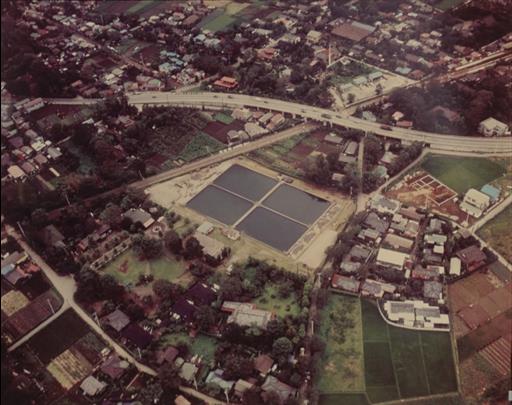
(245,182)
(219,204)
(271,228)
(296,204)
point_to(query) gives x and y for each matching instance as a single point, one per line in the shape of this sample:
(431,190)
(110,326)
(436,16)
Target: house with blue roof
(492,192)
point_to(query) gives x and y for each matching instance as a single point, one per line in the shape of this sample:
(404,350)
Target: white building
(493,127)
(388,257)
(475,203)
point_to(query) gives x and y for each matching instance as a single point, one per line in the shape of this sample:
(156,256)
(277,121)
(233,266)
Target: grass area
(217,21)
(139,6)
(58,336)
(271,301)
(437,350)
(127,267)
(448,4)
(201,345)
(497,233)
(401,363)
(342,362)
(463,173)
(224,118)
(345,399)
(201,145)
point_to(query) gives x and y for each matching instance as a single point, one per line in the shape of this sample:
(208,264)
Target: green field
(448,4)
(164,268)
(201,345)
(219,22)
(497,233)
(271,301)
(342,362)
(463,173)
(400,363)
(200,145)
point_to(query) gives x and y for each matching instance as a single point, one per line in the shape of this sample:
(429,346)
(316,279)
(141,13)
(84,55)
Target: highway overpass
(442,142)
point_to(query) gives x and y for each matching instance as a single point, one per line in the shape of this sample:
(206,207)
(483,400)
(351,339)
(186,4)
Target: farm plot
(58,336)
(403,364)
(497,233)
(200,146)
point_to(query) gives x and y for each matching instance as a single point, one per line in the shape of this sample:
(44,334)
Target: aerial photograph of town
(282,202)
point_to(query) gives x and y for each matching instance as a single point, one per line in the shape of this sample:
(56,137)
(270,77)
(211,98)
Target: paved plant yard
(273,213)
(497,233)
(403,364)
(463,173)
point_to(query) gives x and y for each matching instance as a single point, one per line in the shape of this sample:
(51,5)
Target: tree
(147,247)
(193,248)
(205,317)
(173,242)
(351,98)
(236,366)
(169,377)
(378,89)
(282,347)
(165,290)
(39,218)
(112,215)
(110,288)
(200,270)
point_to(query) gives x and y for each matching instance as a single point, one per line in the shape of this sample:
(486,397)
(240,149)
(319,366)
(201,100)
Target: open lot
(497,233)
(127,267)
(463,173)
(342,363)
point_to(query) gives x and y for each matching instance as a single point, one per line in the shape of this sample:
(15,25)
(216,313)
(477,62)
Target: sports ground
(397,363)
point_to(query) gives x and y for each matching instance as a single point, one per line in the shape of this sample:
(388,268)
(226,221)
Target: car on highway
(326,116)
(386,127)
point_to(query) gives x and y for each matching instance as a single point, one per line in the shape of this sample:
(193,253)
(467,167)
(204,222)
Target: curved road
(457,143)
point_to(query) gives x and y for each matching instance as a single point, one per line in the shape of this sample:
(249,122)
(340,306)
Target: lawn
(374,328)
(342,362)
(217,21)
(127,267)
(497,233)
(200,145)
(439,365)
(139,6)
(225,118)
(201,345)
(378,366)
(463,173)
(271,301)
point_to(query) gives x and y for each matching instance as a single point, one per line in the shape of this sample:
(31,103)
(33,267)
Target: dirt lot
(422,190)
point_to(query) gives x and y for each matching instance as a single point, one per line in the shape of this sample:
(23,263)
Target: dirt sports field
(482,322)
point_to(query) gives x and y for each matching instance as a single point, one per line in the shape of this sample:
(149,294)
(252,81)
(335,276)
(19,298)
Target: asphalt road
(441,142)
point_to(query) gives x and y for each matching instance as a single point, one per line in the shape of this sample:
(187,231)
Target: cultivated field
(402,364)
(497,233)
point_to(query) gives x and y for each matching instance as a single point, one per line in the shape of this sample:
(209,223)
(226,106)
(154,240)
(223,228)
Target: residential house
(391,258)
(472,257)
(493,127)
(138,215)
(455,266)
(114,366)
(345,283)
(91,386)
(226,82)
(375,222)
(398,242)
(263,364)
(136,335)
(201,294)
(353,31)
(475,203)
(211,247)
(492,192)
(384,205)
(167,356)
(433,290)
(359,253)
(215,377)
(376,289)
(117,320)
(284,391)
(188,371)
(246,314)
